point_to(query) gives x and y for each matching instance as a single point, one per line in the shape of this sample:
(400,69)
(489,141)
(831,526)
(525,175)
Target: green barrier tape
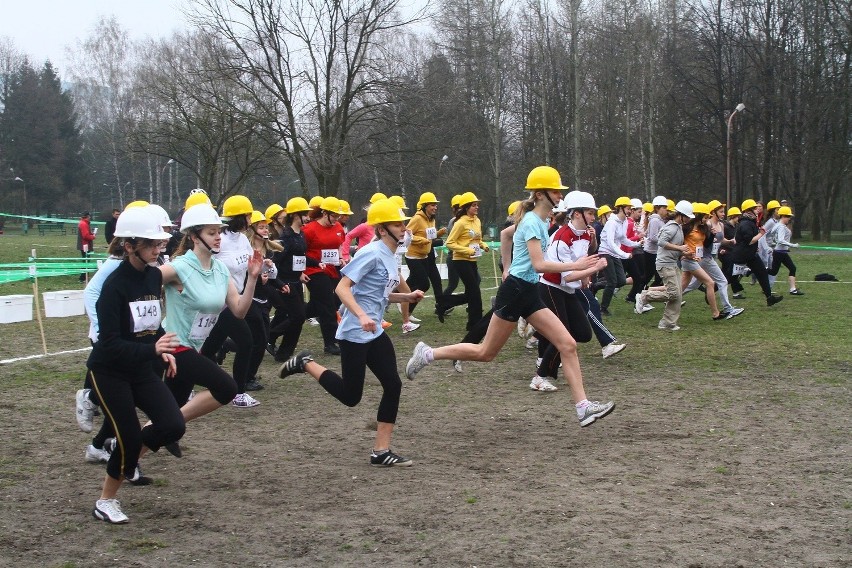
(814,247)
(51,219)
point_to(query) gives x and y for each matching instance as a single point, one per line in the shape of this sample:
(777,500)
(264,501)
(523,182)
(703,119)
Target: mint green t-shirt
(192,312)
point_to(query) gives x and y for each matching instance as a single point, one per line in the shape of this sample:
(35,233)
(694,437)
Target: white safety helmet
(198,216)
(576,200)
(161,214)
(140,223)
(561,207)
(685,208)
(636,203)
(660,200)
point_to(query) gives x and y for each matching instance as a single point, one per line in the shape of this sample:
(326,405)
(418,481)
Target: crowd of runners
(175,297)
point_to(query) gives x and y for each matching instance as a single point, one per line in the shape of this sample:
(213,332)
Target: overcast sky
(43,29)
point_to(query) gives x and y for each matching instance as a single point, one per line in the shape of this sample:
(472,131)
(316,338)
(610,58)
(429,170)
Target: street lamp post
(160,181)
(25,194)
(740,108)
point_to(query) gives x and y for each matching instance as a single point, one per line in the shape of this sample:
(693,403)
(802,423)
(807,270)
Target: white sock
(429,354)
(581,406)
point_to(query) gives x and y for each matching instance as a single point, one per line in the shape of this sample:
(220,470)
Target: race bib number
(299,263)
(202,325)
(477,251)
(715,249)
(330,256)
(401,249)
(431,233)
(391,286)
(739,269)
(699,253)
(146,315)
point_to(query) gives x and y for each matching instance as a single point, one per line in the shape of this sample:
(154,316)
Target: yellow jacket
(467,231)
(420,244)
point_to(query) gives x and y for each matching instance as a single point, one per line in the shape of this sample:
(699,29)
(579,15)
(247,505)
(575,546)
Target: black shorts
(516,299)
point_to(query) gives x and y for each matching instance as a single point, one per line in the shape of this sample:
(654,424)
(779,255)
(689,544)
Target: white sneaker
(409,327)
(417,362)
(244,400)
(668,328)
(413,319)
(639,306)
(612,349)
(95,455)
(85,410)
(531,343)
(313,321)
(457,366)
(542,385)
(537,362)
(647,308)
(522,327)
(109,510)
(734,313)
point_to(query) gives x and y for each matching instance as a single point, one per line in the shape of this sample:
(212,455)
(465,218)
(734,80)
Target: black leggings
(780,257)
(323,304)
(257,319)
(288,321)
(238,330)
(472,295)
(651,269)
(615,278)
(452,274)
(120,396)
(728,270)
(355,358)
(635,268)
(422,272)
(195,369)
(759,272)
(572,313)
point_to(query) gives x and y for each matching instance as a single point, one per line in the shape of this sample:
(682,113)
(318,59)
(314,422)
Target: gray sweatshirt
(670,233)
(781,236)
(655,224)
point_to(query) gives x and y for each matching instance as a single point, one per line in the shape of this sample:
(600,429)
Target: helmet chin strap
(200,238)
(394,237)
(547,195)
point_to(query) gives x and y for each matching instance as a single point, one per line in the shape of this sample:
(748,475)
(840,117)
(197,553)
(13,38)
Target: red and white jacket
(567,244)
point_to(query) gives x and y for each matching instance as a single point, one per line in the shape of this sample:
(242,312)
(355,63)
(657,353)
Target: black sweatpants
(472,296)
(193,368)
(421,273)
(120,396)
(377,355)
(288,320)
(728,270)
(238,330)
(615,278)
(323,304)
(635,267)
(652,277)
(257,319)
(573,316)
(452,274)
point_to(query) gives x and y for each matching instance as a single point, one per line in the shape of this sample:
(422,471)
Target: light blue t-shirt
(530,227)
(375,275)
(192,312)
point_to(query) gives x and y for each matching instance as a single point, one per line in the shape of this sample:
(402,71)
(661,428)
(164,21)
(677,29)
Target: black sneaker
(773,299)
(796,292)
(254,385)
(389,459)
(739,296)
(332,349)
(139,478)
(605,312)
(440,312)
(174,449)
(295,364)
(270,348)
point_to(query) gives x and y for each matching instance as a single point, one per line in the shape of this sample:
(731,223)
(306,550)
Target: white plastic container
(63,303)
(442,270)
(17,307)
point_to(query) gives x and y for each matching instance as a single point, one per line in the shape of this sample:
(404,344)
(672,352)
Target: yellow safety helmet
(455,200)
(699,208)
(748,204)
(237,205)
(670,205)
(623,201)
(513,206)
(603,210)
(544,177)
(714,204)
(196,197)
(345,209)
(272,211)
(785,211)
(426,198)
(377,197)
(297,205)
(399,201)
(466,198)
(647,207)
(773,204)
(330,204)
(734,211)
(256,217)
(137,203)
(316,202)
(385,211)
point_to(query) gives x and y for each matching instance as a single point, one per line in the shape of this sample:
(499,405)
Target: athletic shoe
(639,305)
(254,385)
(529,330)
(542,385)
(270,348)
(295,364)
(739,296)
(734,313)
(796,292)
(537,362)
(386,324)
(174,449)
(417,362)
(522,326)
(332,349)
(773,299)
(389,459)
(413,319)
(313,321)
(139,478)
(595,410)
(682,303)
(109,510)
(605,312)
(440,312)
(110,444)
(721,316)
(409,327)
(531,343)
(457,367)
(647,308)
(85,410)
(244,400)
(668,327)
(96,455)
(449,310)
(611,349)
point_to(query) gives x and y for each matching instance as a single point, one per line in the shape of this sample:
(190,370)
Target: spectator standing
(85,239)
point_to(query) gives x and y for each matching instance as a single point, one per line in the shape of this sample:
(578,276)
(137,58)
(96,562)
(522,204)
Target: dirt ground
(698,469)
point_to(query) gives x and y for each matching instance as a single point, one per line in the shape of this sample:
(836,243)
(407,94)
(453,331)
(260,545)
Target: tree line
(276,98)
